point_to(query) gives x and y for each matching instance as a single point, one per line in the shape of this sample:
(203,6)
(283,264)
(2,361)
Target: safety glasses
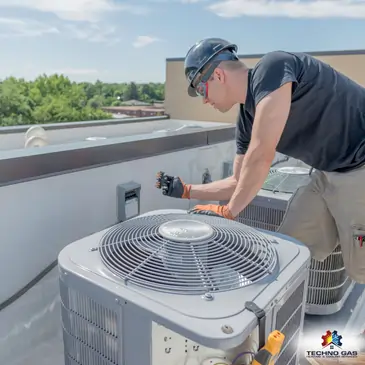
(201,86)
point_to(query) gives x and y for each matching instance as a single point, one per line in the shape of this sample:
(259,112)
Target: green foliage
(55,98)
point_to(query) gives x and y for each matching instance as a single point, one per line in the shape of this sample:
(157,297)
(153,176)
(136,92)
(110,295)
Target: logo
(332,347)
(331,339)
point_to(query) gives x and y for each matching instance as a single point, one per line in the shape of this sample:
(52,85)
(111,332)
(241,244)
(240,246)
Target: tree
(55,98)
(14,105)
(131,92)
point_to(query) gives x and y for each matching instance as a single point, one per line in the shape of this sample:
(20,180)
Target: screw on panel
(208,296)
(227,329)
(93,249)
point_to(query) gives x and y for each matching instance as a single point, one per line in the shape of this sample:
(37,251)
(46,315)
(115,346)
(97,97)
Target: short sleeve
(242,132)
(273,71)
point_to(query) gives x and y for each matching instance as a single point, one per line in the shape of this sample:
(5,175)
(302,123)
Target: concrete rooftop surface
(61,133)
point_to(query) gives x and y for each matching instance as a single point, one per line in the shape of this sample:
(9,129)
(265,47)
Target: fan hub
(184,230)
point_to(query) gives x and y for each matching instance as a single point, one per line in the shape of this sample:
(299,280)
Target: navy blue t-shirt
(326,125)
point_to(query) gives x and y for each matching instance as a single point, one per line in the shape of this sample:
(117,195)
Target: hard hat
(204,52)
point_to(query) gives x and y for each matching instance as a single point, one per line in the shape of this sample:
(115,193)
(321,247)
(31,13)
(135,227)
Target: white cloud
(76,10)
(80,19)
(192,1)
(90,32)
(93,33)
(290,8)
(177,1)
(144,40)
(12,27)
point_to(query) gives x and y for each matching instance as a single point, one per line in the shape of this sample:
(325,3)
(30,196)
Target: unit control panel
(171,348)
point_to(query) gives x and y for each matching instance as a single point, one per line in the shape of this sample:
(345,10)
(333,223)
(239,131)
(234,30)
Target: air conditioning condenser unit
(173,288)
(329,285)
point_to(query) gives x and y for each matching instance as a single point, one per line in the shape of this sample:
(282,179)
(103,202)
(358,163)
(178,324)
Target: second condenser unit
(329,285)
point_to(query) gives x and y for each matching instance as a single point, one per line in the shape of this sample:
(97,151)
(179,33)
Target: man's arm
(272,112)
(273,80)
(221,189)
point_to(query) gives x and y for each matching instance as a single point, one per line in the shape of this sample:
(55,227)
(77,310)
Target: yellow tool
(266,355)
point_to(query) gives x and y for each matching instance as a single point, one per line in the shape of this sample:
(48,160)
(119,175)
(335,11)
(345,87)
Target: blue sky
(114,40)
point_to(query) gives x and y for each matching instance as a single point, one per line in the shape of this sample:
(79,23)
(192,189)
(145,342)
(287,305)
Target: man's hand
(212,209)
(172,186)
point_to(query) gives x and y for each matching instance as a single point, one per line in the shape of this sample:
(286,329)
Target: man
(297,105)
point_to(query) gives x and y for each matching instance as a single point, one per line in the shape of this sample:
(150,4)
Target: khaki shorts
(329,211)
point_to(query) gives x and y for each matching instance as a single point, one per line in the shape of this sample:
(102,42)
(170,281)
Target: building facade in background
(180,106)
(137,111)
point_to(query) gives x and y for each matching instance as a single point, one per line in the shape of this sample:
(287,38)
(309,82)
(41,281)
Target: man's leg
(345,197)
(308,219)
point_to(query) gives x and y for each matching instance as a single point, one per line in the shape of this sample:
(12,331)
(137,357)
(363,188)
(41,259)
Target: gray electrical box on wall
(128,200)
(227,169)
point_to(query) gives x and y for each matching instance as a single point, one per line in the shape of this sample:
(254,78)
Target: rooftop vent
(35,136)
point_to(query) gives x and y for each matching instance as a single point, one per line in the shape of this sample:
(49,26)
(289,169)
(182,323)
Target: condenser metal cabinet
(171,288)
(329,285)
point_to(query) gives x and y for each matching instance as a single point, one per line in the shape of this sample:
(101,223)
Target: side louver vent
(90,331)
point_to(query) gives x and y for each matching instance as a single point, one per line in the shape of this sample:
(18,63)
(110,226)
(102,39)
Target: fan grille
(286,179)
(230,257)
